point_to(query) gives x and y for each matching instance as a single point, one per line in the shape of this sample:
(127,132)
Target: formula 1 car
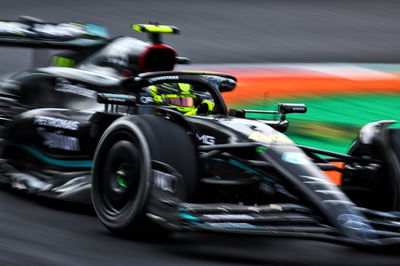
(71,132)
(87,62)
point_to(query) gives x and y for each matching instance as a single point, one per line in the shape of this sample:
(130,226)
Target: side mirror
(291,108)
(227,85)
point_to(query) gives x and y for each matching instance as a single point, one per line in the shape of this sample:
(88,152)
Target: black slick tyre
(122,170)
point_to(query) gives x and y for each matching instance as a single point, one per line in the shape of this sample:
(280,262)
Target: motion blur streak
(340,97)
(222,31)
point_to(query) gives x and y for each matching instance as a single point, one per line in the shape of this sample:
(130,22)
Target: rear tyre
(122,171)
(383,186)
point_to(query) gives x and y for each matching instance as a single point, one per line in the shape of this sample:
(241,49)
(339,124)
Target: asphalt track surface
(38,232)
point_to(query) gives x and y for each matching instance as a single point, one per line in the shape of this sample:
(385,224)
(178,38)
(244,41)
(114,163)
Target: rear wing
(35,33)
(82,41)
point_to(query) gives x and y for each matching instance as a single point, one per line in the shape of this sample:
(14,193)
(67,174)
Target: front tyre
(122,170)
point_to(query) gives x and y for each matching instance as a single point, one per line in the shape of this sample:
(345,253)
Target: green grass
(333,122)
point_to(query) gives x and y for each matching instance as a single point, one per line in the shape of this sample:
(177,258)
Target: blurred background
(341,58)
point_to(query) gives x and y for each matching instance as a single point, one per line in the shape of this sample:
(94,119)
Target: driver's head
(180,96)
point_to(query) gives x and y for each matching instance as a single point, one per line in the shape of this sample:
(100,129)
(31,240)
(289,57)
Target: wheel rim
(121,177)
(119,183)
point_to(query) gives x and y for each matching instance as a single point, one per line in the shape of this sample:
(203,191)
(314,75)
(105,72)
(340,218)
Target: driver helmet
(182,97)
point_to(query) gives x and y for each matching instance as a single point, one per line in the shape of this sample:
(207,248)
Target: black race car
(101,130)
(83,61)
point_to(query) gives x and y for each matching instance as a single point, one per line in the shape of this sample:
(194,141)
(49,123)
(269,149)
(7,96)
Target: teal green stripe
(64,163)
(243,167)
(117,95)
(189,217)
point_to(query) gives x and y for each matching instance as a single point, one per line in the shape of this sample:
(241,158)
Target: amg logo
(206,139)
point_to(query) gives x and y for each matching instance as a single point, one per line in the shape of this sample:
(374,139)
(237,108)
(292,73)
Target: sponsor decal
(55,122)
(298,109)
(164,181)
(228,217)
(15,28)
(118,59)
(156,79)
(273,138)
(295,158)
(115,99)
(65,85)
(146,99)
(206,139)
(56,140)
(62,29)
(232,225)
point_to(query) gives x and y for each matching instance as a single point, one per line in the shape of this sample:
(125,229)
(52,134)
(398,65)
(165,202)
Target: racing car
(161,150)
(86,62)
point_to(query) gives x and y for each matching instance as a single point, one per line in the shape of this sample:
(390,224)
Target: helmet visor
(180,101)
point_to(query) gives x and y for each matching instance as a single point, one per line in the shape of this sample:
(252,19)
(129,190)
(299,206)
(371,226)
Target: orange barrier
(285,84)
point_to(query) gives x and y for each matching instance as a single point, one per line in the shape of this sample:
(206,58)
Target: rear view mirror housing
(227,85)
(292,108)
